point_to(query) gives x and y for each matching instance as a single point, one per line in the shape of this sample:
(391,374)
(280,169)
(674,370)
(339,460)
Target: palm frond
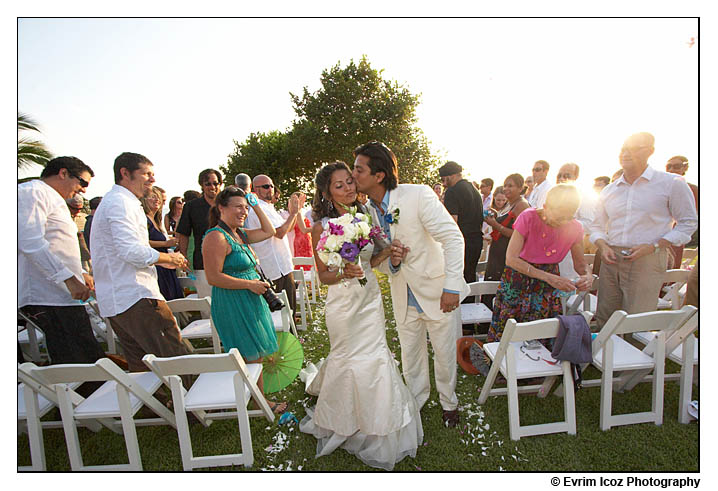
(30,151)
(26,123)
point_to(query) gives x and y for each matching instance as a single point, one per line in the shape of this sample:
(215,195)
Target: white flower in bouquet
(333,243)
(334,260)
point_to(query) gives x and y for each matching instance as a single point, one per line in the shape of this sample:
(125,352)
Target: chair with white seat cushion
(476,313)
(121,396)
(224,382)
(515,362)
(311,277)
(201,328)
(283,319)
(681,345)
(35,400)
(611,353)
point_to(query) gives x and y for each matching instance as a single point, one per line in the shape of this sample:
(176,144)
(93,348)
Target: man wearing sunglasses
(194,220)
(275,256)
(541,184)
(51,283)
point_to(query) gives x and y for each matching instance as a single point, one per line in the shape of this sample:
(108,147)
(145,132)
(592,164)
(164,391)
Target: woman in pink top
(530,282)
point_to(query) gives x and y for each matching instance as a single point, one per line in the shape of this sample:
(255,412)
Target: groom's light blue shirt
(382,209)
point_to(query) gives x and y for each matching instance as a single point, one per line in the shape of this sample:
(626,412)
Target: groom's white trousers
(415,357)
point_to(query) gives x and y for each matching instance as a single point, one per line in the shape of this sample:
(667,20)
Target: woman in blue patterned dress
(239,311)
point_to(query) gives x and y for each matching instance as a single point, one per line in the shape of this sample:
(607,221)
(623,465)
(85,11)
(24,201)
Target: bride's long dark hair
(322,205)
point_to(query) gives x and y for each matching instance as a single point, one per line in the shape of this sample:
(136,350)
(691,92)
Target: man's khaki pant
(632,286)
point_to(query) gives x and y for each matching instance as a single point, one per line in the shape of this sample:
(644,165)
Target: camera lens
(273,301)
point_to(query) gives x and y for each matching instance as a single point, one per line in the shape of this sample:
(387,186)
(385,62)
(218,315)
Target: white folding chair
(580,301)
(675,291)
(102,327)
(305,310)
(475,313)
(34,401)
(203,288)
(121,396)
(681,345)
(31,339)
(515,362)
(689,256)
(201,328)
(187,282)
(611,353)
(283,319)
(310,276)
(225,382)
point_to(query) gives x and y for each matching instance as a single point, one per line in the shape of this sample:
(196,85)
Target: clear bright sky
(496,94)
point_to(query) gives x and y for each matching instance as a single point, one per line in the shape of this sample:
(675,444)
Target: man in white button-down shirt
(633,229)
(541,185)
(275,256)
(51,283)
(124,267)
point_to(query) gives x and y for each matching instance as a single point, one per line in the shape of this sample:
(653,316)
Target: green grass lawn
(480,443)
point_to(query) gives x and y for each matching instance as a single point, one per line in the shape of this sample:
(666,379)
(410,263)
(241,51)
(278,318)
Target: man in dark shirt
(195,216)
(463,202)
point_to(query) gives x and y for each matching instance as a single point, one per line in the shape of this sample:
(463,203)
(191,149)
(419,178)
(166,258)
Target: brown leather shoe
(451,418)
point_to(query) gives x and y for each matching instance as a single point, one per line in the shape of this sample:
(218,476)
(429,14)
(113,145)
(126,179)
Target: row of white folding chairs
(610,354)
(225,382)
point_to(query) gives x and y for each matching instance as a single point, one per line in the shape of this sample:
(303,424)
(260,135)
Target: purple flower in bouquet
(335,229)
(349,251)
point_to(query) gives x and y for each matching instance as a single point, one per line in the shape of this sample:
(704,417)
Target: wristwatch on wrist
(252,199)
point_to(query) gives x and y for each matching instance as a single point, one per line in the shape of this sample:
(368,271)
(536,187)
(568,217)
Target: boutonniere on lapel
(393,217)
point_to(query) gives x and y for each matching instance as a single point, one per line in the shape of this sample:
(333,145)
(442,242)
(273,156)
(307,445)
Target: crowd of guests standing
(125,253)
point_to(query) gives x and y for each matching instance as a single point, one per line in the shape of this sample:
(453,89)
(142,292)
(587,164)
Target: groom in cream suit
(425,270)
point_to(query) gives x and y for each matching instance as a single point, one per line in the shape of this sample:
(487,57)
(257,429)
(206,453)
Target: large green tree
(29,150)
(354,105)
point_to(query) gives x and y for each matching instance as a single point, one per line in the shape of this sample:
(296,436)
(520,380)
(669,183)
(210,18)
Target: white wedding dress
(363,406)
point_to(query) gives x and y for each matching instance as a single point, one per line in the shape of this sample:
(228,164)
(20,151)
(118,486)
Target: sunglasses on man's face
(538,169)
(83,182)
(266,186)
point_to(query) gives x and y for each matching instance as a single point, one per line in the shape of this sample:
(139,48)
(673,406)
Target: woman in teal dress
(239,311)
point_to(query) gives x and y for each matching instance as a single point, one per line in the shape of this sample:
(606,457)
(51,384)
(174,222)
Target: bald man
(633,229)
(275,256)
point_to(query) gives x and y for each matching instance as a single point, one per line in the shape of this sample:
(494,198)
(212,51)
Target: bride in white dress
(363,405)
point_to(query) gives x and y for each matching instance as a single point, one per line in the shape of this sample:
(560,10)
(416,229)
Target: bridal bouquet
(344,238)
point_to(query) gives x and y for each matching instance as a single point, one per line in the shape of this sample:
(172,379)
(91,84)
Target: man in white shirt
(124,267)
(632,230)
(275,257)
(541,184)
(51,284)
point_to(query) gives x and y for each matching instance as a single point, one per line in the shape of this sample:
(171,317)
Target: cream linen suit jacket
(436,258)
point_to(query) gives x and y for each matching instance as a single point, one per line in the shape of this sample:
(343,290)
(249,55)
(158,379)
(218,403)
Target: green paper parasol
(283,366)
